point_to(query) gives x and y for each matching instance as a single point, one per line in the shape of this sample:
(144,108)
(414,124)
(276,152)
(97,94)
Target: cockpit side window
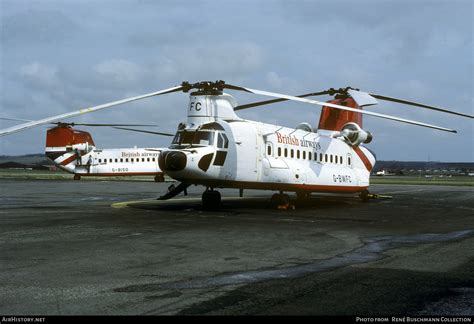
(222,141)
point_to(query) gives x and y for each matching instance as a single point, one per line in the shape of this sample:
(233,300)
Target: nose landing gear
(211,199)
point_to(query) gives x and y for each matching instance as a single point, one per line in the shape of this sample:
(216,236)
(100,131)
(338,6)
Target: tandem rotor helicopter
(218,149)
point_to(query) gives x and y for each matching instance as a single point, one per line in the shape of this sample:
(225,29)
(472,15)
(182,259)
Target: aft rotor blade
(144,131)
(416,104)
(315,102)
(267,102)
(31,124)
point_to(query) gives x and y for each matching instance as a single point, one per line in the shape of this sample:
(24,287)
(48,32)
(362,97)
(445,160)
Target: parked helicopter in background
(218,149)
(74,151)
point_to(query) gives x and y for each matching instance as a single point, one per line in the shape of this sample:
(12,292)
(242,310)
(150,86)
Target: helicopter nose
(172,161)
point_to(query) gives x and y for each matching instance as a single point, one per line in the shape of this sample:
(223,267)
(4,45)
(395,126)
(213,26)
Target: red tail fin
(333,119)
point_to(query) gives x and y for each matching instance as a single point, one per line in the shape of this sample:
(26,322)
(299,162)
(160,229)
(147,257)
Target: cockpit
(211,134)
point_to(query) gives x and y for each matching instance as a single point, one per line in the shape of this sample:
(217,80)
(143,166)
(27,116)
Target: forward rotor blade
(144,131)
(104,125)
(15,119)
(315,102)
(416,104)
(267,102)
(31,124)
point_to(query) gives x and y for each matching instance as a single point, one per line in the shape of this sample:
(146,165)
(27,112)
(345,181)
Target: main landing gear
(211,199)
(77,177)
(280,201)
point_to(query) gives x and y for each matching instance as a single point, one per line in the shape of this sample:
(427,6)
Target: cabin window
(126,160)
(320,157)
(100,160)
(121,160)
(292,153)
(153,160)
(341,160)
(330,158)
(325,157)
(348,160)
(279,151)
(309,156)
(116,160)
(269,150)
(286,152)
(148,159)
(297,154)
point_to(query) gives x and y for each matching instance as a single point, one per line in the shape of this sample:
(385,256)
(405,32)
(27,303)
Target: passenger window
(297,154)
(100,160)
(126,160)
(121,160)
(148,159)
(348,160)
(309,156)
(286,152)
(320,157)
(154,159)
(116,160)
(292,153)
(269,150)
(330,158)
(279,151)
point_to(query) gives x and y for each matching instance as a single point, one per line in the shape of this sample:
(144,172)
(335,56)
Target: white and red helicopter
(218,149)
(74,151)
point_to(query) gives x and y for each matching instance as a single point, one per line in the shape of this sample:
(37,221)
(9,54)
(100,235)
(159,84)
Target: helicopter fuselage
(251,155)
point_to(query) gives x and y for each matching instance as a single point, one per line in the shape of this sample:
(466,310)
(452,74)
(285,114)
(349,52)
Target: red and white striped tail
(65,146)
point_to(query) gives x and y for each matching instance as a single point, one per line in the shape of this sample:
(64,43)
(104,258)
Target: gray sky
(59,56)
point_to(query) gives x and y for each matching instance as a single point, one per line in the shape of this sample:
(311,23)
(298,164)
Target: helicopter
(216,148)
(74,151)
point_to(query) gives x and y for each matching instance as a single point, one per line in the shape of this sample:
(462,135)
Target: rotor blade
(267,102)
(314,102)
(104,125)
(15,119)
(411,103)
(143,131)
(83,111)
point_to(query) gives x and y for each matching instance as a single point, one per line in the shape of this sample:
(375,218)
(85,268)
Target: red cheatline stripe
(364,158)
(68,160)
(276,186)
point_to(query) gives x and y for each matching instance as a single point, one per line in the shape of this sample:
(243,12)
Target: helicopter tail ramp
(65,145)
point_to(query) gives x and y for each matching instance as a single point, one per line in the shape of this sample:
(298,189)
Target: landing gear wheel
(280,200)
(77,177)
(211,200)
(159,178)
(364,195)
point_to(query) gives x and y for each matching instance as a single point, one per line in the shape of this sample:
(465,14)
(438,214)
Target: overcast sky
(60,56)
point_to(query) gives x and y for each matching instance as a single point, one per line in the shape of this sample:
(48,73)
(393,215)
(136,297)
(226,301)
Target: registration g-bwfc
(216,148)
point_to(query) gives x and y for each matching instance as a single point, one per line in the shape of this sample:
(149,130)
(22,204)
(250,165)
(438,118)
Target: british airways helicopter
(218,149)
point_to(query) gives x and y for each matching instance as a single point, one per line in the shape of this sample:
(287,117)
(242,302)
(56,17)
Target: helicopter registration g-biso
(218,149)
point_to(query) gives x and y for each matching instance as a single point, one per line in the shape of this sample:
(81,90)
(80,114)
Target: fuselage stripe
(363,157)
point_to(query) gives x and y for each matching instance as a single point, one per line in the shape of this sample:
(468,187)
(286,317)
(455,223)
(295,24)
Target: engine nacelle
(354,135)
